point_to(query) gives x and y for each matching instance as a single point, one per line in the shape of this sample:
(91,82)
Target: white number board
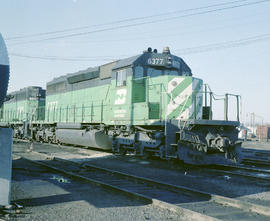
(156,61)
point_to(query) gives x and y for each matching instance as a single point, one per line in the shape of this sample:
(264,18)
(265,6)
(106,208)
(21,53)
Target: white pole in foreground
(5,165)
(5,133)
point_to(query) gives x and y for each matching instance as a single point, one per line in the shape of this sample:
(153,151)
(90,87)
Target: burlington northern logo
(120,96)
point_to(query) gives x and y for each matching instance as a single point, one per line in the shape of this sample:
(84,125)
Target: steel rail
(224,201)
(260,162)
(256,173)
(236,170)
(154,201)
(216,198)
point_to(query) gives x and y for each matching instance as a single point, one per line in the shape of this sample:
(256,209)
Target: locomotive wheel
(234,154)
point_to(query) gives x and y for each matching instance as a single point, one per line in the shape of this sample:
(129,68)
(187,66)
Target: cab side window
(121,78)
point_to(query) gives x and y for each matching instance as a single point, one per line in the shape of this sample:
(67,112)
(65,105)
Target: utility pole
(253,117)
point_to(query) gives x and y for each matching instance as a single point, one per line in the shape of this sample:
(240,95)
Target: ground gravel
(51,196)
(167,171)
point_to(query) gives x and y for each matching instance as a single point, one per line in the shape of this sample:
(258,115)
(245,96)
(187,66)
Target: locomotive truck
(149,104)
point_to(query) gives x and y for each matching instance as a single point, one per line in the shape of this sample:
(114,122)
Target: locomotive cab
(146,86)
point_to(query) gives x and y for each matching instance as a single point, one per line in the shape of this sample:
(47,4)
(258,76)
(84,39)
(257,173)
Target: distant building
(263,132)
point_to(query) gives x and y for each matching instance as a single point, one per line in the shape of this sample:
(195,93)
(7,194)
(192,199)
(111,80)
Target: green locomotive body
(147,104)
(21,107)
(26,104)
(132,92)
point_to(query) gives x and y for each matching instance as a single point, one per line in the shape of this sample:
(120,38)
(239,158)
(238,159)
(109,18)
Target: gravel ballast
(51,196)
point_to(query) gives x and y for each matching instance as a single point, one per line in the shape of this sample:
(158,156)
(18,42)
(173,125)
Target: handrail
(226,102)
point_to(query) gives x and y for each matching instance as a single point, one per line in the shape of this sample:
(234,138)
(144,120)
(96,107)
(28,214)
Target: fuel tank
(93,138)
(4,70)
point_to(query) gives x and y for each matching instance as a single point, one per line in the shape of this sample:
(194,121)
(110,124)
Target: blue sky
(242,68)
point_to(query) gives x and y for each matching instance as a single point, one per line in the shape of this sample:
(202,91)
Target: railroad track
(196,204)
(246,161)
(233,170)
(256,157)
(242,171)
(257,162)
(256,152)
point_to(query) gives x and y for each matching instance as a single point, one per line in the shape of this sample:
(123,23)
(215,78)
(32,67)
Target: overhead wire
(198,49)
(123,20)
(224,45)
(167,35)
(142,23)
(55,58)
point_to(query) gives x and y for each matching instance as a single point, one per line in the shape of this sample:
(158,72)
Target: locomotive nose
(4,70)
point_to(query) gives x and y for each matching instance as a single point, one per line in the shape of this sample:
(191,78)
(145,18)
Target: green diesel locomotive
(149,104)
(23,106)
